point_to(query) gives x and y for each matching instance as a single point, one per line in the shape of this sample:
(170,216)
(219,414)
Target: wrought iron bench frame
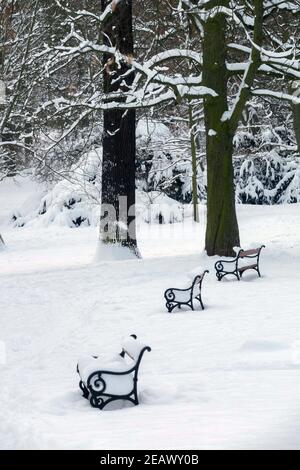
(95,386)
(236,271)
(170,294)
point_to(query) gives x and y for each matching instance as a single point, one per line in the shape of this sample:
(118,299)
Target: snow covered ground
(227,377)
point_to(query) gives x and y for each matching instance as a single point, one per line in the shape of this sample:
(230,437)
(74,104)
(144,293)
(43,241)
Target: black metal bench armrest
(97,374)
(221,271)
(262,246)
(174,289)
(220,262)
(173,302)
(96,383)
(170,294)
(101,391)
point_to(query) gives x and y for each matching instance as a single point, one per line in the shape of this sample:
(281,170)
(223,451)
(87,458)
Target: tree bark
(119,146)
(296,117)
(222,232)
(194,166)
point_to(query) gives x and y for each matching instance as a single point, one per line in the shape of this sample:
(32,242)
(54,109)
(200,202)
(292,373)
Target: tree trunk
(194,165)
(222,233)
(296,116)
(119,147)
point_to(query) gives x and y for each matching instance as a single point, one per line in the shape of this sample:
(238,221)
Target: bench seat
(244,268)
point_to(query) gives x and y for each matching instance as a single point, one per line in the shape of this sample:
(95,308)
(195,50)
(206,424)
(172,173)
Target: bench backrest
(253,253)
(199,277)
(134,348)
(197,282)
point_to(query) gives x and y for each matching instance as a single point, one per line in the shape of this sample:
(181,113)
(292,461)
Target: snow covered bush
(75,201)
(268,179)
(267,171)
(288,189)
(266,161)
(72,202)
(155,207)
(164,160)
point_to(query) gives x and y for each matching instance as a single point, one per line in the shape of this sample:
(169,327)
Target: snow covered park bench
(178,297)
(103,380)
(237,266)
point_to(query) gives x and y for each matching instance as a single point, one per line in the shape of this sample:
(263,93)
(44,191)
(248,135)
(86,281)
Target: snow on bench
(234,265)
(104,380)
(178,297)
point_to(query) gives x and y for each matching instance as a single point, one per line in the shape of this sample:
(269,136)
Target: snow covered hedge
(266,164)
(157,208)
(75,202)
(271,176)
(72,203)
(164,160)
(268,179)
(66,205)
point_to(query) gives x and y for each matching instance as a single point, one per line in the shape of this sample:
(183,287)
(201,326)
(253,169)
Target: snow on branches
(160,79)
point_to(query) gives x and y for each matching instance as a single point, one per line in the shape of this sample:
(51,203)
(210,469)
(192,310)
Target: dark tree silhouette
(119,148)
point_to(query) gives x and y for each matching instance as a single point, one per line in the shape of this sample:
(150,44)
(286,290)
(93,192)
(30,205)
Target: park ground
(227,377)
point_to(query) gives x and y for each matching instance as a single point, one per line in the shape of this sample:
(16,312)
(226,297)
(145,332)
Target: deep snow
(227,377)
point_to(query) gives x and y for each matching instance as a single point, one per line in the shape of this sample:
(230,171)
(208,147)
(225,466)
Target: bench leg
(199,298)
(84,390)
(234,273)
(135,392)
(171,307)
(100,403)
(97,402)
(258,271)
(255,269)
